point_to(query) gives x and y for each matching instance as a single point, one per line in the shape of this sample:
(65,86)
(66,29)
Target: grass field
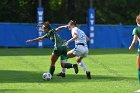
(113,71)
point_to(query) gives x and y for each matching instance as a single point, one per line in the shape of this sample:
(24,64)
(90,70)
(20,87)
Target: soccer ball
(47,76)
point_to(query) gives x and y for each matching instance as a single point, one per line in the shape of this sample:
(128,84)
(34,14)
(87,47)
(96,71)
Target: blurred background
(61,11)
(110,25)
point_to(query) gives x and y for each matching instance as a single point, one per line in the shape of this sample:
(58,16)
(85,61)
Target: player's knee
(63,62)
(79,59)
(52,64)
(63,65)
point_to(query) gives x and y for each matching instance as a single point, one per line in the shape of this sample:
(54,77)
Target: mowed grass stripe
(113,71)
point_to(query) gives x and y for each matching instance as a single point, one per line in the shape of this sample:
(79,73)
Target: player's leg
(81,63)
(55,55)
(52,64)
(65,64)
(138,63)
(69,55)
(82,51)
(63,51)
(138,66)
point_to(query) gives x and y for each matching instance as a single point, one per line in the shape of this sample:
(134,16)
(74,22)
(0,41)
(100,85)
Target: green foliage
(61,11)
(17,11)
(116,11)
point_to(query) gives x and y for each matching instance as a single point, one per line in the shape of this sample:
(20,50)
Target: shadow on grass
(48,51)
(23,91)
(25,51)
(11,76)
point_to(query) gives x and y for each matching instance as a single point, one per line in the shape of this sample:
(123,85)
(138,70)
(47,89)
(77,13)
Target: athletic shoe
(61,74)
(88,75)
(75,66)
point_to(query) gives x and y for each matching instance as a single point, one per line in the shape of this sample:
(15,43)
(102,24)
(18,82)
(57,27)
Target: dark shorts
(61,51)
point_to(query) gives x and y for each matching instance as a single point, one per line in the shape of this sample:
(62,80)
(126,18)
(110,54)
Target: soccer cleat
(61,74)
(75,66)
(88,74)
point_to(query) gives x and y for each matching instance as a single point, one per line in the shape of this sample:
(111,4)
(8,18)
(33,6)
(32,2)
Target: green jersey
(55,38)
(136,31)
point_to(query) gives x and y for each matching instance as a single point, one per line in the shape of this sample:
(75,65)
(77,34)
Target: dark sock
(68,65)
(52,69)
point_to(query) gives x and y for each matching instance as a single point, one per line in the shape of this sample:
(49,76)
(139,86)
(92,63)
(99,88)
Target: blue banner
(40,19)
(91,26)
(107,36)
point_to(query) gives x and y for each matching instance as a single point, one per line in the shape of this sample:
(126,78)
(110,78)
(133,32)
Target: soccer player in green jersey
(60,48)
(136,37)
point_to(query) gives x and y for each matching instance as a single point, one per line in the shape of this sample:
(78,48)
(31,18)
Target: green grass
(113,71)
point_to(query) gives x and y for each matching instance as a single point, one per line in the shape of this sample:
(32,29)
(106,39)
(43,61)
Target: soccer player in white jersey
(80,51)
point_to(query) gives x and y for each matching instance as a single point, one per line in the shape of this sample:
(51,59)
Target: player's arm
(75,36)
(135,38)
(36,39)
(60,28)
(39,38)
(87,38)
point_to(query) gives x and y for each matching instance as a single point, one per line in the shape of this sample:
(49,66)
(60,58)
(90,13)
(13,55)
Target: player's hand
(29,41)
(67,43)
(130,48)
(66,26)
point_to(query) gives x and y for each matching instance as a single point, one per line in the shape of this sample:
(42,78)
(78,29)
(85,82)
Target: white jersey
(81,36)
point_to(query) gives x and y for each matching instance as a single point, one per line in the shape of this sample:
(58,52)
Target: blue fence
(113,36)
(106,36)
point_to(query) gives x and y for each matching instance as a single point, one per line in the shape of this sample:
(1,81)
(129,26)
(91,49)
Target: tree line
(61,11)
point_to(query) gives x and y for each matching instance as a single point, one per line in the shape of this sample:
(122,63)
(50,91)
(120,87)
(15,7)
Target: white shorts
(80,50)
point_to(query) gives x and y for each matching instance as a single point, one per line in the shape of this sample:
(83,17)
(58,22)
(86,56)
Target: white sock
(83,66)
(63,70)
